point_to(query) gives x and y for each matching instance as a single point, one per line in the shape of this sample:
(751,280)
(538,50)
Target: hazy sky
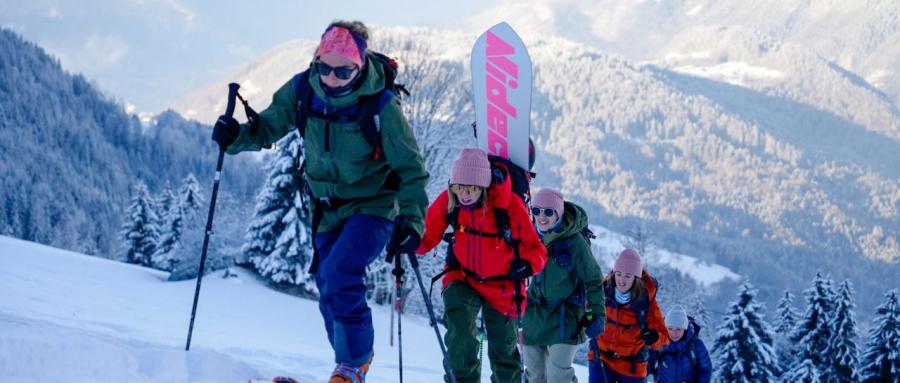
(151,52)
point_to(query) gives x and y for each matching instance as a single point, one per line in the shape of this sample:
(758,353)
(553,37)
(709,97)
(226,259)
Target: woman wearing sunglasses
(361,193)
(566,299)
(482,269)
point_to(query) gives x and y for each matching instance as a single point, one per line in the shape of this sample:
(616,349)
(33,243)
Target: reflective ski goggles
(341,72)
(536,211)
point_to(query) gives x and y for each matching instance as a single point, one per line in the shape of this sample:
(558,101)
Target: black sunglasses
(341,72)
(537,211)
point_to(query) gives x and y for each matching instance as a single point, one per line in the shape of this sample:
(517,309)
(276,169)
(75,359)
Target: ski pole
(229,111)
(520,338)
(414,262)
(398,289)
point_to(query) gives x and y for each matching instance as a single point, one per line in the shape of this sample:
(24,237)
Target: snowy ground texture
(67,317)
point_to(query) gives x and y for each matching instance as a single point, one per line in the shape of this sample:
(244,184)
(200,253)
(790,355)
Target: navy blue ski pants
(344,254)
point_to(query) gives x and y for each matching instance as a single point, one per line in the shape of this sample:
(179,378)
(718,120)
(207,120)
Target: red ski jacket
(486,256)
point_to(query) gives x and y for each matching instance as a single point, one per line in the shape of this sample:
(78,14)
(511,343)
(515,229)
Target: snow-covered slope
(67,317)
(607,245)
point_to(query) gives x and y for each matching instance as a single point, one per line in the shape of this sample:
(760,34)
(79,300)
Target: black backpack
(519,178)
(367,110)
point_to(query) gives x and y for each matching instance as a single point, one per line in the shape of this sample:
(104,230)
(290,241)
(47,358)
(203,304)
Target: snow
(608,244)
(733,72)
(69,317)
(695,10)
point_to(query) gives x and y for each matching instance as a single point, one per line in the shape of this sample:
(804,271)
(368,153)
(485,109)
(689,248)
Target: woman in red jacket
(633,324)
(492,247)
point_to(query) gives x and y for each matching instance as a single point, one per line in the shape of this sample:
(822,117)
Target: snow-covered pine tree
(814,329)
(881,360)
(182,212)
(697,310)
(842,355)
(190,197)
(279,242)
(165,256)
(804,372)
(743,349)
(139,230)
(164,203)
(786,320)
(784,325)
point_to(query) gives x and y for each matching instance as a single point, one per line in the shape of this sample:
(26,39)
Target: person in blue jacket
(685,359)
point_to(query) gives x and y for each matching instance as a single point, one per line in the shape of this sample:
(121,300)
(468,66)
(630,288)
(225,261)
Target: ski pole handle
(232,96)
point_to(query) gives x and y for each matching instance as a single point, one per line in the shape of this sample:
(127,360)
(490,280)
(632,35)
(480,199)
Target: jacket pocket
(352,152)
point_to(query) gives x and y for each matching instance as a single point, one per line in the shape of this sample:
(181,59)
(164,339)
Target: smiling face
(340,63)
(624,281)
(675,333)
(467,195)
(542,220)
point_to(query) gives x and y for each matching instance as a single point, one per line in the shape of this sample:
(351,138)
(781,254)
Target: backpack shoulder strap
(453,218)
(692,354)
(501,219)
(370,108)
(304,94)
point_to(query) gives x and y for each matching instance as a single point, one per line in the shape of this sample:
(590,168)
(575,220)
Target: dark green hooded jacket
(340,162)
(556,296)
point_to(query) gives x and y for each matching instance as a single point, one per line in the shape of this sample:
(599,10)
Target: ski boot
(345,373)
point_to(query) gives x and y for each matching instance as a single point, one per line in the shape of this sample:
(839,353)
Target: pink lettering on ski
(500,73)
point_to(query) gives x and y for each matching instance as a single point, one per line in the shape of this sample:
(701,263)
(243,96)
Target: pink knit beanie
(629,261)
(471,168)
(548,198)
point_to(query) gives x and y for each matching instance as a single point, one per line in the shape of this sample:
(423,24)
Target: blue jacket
(685,361)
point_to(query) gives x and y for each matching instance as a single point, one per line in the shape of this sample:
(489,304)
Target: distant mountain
(748,175)
(69,156)
(859,35)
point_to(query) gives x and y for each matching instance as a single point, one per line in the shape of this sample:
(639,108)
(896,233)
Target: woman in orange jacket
(633,324)
(492,248)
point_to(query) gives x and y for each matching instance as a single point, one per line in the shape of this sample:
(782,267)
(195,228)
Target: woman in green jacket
(566,298)
(366,191)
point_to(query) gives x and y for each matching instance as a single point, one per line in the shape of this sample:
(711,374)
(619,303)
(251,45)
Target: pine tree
(743,346)
(279,242)
(164,203)
(814,330)
(190,196)
(787,314)
(165,256)
(804,372)
(139,231)
(881,360)
(697,309)
(784,325)
(182,212)
(842,355)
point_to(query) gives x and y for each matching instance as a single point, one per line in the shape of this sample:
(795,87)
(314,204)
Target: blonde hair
(453,200)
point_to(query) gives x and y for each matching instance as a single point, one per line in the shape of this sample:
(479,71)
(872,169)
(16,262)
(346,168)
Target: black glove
(519,269)
(649,336)
(404,239)
(595,327)
(225,131)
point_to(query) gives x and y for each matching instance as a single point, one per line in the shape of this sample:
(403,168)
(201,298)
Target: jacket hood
(573,220)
